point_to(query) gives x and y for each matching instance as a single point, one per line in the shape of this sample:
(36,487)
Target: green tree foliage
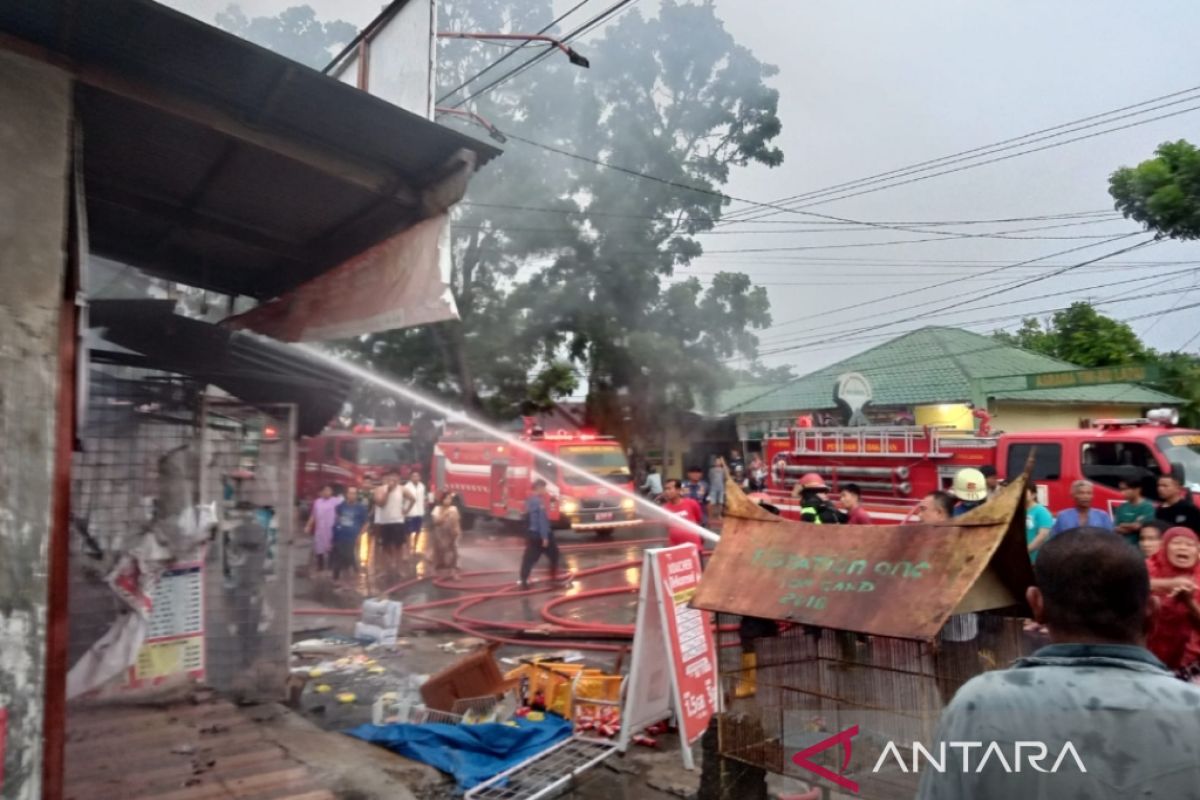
(590,290)
(295,32)
(1162,193)
(1080,335)
(1087,338)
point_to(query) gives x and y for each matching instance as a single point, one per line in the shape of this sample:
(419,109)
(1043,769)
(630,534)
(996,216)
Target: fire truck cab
(493,479)
(359,457)
(895,466)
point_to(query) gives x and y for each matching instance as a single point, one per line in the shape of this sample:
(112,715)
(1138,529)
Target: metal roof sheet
(903,581)
(937,365)
(214,162)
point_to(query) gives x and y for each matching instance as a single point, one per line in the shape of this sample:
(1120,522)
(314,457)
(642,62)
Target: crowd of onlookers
(1166,533)
(393,514)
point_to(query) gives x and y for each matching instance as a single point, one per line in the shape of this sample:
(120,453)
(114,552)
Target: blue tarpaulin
(471,753)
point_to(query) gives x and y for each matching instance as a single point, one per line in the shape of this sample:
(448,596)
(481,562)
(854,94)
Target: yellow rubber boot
(748,679)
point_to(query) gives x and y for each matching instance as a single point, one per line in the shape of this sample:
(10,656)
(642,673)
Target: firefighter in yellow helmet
(970,489)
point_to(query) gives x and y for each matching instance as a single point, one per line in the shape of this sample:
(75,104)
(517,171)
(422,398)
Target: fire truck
(492,478)
(895,466)
(358,456)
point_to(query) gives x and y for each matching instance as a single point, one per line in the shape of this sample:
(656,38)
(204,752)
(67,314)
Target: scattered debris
(472,676)
(380,622)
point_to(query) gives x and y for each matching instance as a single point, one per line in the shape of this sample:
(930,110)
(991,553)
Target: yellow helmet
(969,484)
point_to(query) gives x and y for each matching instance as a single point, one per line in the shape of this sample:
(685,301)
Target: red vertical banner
(689,635)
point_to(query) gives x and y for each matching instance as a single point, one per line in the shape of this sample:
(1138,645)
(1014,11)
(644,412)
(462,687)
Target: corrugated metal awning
(213,162)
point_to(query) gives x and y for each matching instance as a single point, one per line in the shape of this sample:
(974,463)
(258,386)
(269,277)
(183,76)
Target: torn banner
(396,284)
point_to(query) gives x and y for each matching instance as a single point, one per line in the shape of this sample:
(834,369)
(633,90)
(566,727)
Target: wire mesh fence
(811,683)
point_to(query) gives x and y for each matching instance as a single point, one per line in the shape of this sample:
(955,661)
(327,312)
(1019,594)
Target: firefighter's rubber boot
(748,678)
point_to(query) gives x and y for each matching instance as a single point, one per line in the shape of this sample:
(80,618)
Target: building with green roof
(932,376)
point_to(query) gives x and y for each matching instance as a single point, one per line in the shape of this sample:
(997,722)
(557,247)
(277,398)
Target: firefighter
(814,501)
(971,490)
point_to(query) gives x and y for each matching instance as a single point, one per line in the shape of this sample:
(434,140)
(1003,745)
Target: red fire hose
(482,592)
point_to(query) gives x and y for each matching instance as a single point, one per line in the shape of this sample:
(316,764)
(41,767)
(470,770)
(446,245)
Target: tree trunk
(452,343)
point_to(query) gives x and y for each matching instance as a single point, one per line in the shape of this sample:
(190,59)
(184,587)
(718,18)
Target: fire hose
(485,629)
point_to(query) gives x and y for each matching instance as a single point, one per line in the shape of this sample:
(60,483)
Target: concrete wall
(34,150)
(1017,417)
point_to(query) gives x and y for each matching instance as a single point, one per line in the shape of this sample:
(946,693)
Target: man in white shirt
(389,515)
(415,498)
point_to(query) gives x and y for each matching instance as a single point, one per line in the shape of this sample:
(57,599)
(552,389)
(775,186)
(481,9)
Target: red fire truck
(896,466)
(492,478)
(355,457)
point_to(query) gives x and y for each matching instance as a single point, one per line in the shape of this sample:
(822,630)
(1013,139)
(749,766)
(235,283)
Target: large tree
(1162,193)
(586,273)
(564,270)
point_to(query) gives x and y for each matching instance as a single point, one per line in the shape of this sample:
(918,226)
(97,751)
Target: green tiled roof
(936,365)
(742,393)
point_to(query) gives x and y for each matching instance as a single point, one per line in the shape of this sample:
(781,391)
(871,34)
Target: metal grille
(546,772)
(248,470)
(813,683)
(138,429)
(599,505)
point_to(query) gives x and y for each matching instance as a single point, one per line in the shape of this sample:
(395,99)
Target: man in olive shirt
(1132,515)
(1132,724)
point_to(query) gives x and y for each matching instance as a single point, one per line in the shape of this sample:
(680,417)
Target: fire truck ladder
(894,441)
(545,773)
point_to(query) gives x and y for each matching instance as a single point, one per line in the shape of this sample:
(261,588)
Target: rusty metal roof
(902,581)
(214,162)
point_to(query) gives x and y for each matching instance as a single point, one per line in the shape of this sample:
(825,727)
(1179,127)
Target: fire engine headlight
(627,504)
(568,506)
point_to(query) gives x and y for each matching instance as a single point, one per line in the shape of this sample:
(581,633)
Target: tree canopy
(568,273)
(1162,193)
(1087,338)
(295,32)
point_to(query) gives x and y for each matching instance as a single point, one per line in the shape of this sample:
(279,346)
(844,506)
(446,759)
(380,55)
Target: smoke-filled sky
(876,85)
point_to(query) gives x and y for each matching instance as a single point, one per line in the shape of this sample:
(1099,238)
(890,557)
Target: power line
(1021,314)
(1052,145)
(777,207)
(922,360)
(977,151)
(580,31)
(970,301)
(509,55)
(589,212)
(950,282)
(1073,290)
(848,229)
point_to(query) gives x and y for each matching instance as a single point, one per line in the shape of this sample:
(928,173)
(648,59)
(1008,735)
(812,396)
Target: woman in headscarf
(1174,579)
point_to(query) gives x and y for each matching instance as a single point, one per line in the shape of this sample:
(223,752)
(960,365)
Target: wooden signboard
(903,581)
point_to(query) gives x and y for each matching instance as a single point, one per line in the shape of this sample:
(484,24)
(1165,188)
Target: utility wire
(971,301)
(1052,145)
(441,100)
(775,206)
(580,31)
(914,361)
(590,212)
(1016,141)
(950,282)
